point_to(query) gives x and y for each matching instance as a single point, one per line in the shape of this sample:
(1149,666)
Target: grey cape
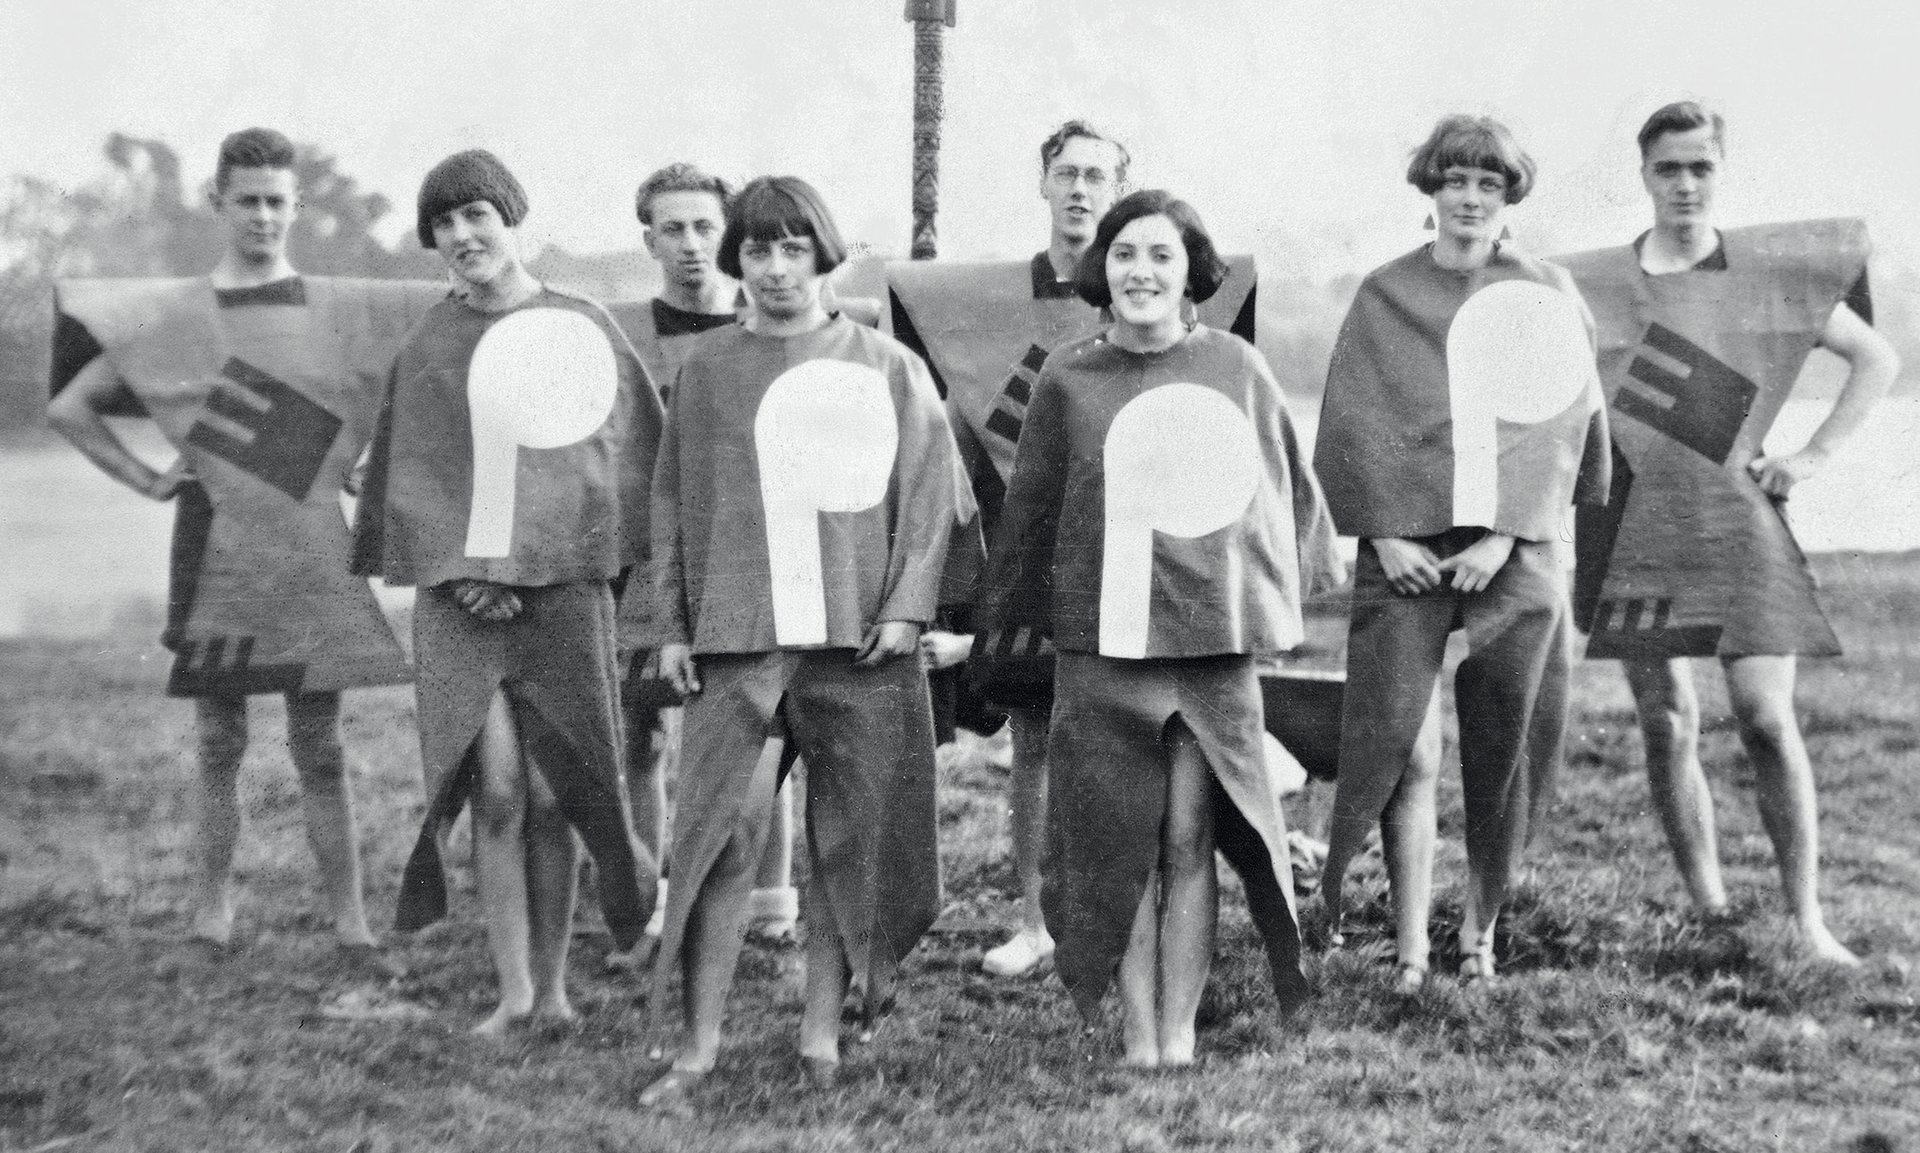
(578,517)
(1183,565)
(728,582)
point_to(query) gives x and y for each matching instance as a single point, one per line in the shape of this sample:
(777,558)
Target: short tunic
(269,394)
(1690,557)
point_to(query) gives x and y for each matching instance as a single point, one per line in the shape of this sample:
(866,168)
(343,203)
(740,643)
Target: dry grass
(1622,1022)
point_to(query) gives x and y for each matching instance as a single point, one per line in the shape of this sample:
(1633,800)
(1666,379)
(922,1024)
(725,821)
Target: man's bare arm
(1873,365)
(77,415)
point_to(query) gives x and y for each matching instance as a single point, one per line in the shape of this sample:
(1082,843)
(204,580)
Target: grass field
(1621,1023)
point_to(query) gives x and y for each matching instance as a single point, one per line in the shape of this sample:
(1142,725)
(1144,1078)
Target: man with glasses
(1081,171)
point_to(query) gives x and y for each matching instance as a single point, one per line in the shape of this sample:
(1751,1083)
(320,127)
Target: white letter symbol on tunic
(826,437)
(1180,459)
(1518,352)
(539,378)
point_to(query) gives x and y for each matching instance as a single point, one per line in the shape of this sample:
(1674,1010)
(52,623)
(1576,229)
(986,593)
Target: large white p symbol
(1517,351)
(826,436)
(542,378)
(1180,459)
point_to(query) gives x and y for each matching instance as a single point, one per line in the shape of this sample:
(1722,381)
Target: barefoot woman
(1160,526)
(507,483)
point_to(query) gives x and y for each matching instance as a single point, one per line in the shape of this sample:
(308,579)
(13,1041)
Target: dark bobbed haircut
(1681,116)
(463,178)
(771,207)
(678,177)
(1055,144)
(1206,272)
(252,148)
(1471,142)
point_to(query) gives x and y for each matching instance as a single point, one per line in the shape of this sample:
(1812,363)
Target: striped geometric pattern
(223,666)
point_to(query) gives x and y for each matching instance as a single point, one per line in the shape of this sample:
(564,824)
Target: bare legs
(827,980)
(1171,945)
(774,905)
(313,740)
(1031,945)
(717,924)
(653,754)
(1409,830)
(1669,711)
(221,729)
(1760,691)
(525,857)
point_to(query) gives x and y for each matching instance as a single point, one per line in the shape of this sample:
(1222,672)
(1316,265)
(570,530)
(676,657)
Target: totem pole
(931,19)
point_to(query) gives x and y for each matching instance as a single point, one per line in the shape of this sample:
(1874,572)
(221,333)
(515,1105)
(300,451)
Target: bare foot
(1477,967)
(556,1009)
(820,1072)
(214,926)
(503,1020)
(1140,1059)
(353,933)
(1824,947)
(671,1092)
(1176,1049)
(634,960)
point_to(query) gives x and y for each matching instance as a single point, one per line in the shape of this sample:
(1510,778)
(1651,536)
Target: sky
(1286,122)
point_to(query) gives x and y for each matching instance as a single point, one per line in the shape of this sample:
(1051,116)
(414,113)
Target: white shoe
(1021,955)
(657,923)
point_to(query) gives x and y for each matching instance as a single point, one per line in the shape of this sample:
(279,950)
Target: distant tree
(333,235)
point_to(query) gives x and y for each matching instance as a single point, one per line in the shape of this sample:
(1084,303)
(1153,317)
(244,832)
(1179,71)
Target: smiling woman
(1160,527)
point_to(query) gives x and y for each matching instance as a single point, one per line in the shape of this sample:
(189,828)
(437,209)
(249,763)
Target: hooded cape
(1690,557)
(1462,399)
(269,394)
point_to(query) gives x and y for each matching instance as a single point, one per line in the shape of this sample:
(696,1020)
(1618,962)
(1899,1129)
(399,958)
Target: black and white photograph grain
(979,576)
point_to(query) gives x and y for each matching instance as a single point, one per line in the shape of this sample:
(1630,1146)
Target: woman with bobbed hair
(1462,415)
(1162,527)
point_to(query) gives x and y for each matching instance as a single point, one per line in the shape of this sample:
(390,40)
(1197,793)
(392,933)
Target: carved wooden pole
(931,19)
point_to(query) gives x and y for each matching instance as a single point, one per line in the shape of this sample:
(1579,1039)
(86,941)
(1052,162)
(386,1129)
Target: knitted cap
(463,178)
